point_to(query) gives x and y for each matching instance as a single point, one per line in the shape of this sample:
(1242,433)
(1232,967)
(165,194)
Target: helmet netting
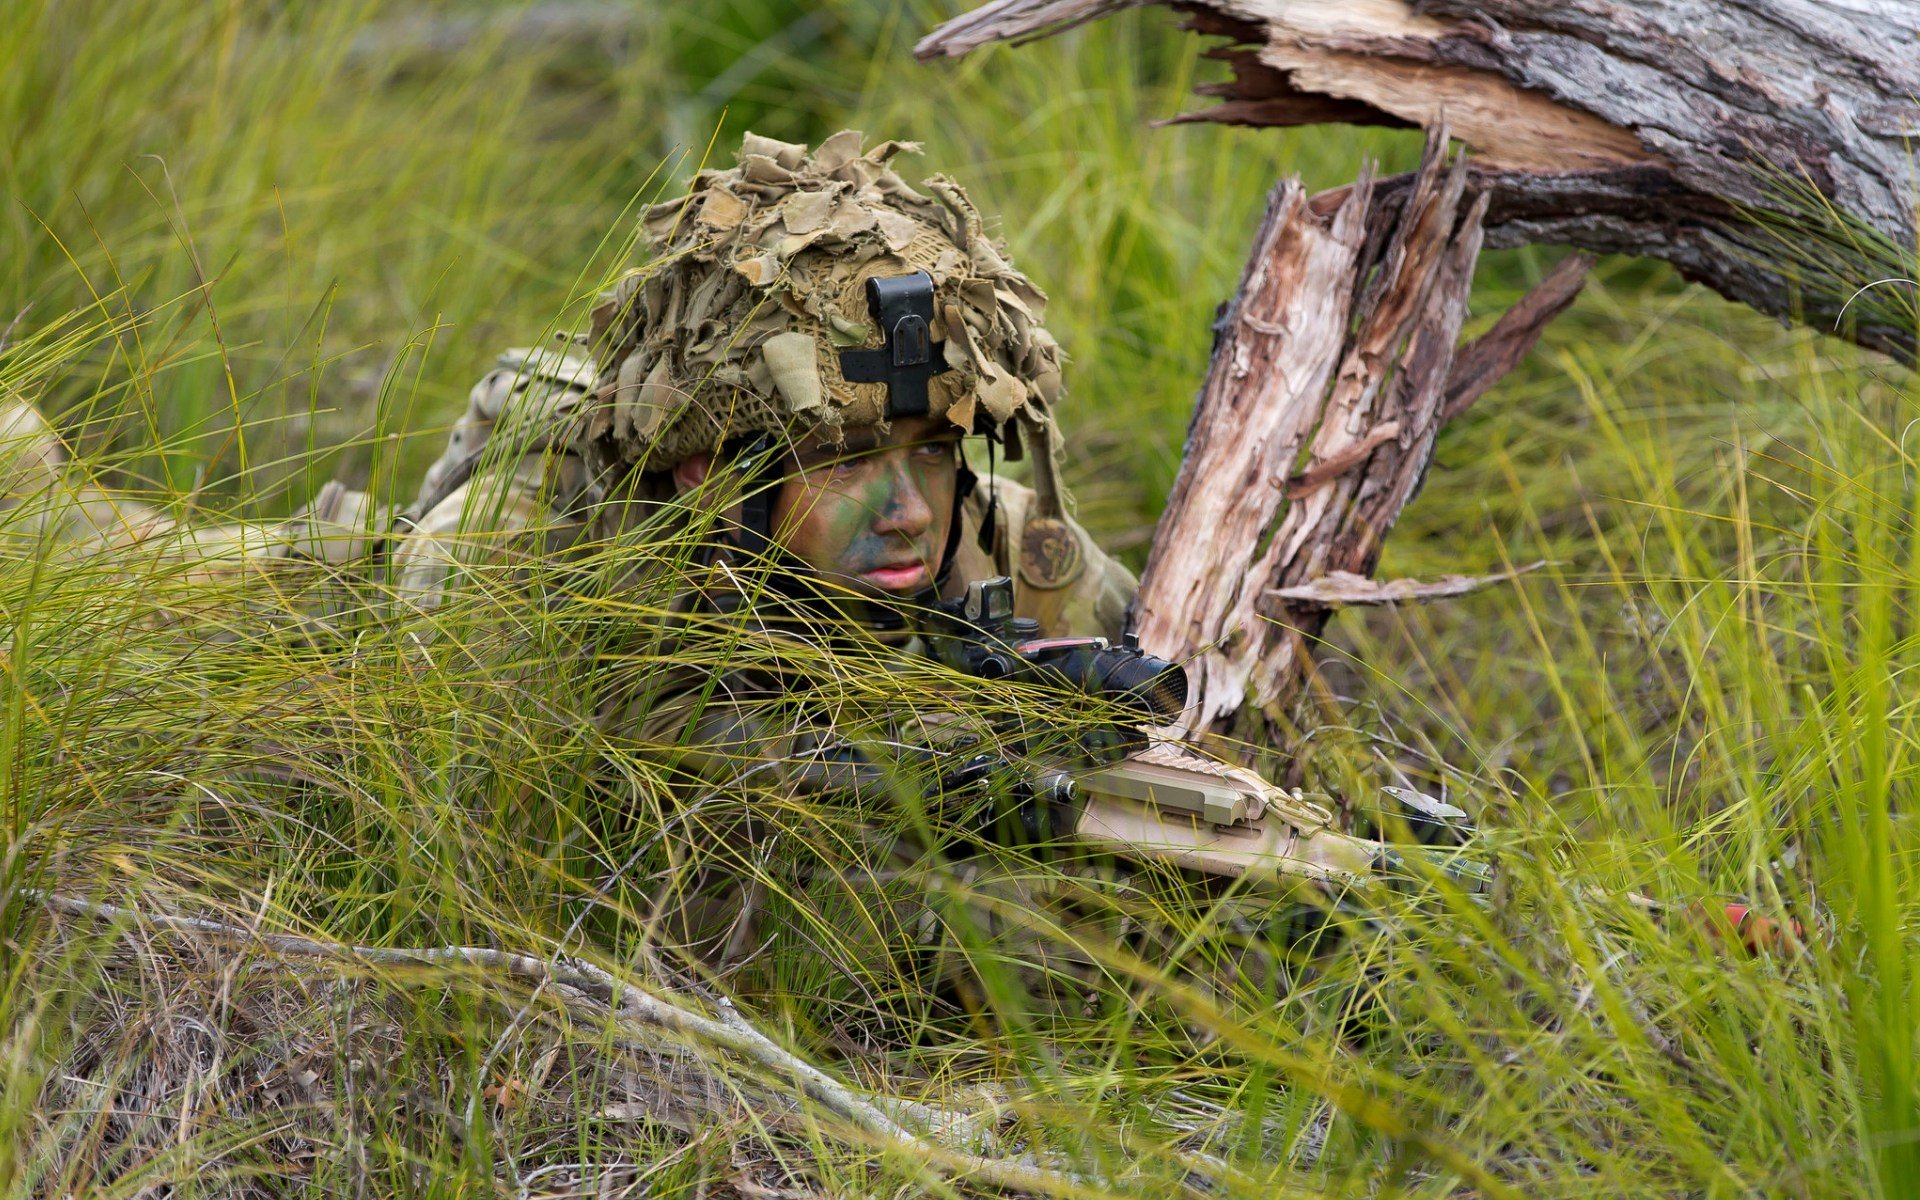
(758,283)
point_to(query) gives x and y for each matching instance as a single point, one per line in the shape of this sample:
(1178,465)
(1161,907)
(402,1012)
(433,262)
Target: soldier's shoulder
(551,378)
(562,363)
(1062,577)
(520,410)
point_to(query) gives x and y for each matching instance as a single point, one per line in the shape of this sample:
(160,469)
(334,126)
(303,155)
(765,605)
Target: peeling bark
(1763,147)
(1335,367)
(1342,590)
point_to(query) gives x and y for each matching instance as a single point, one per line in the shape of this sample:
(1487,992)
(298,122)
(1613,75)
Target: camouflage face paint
(874,516)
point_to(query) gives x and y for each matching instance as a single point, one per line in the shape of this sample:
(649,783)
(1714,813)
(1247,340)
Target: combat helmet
(812,292)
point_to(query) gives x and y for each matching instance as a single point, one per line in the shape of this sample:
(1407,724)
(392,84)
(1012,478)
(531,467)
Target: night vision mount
(902,306)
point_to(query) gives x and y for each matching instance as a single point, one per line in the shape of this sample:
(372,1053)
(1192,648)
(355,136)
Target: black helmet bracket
(902,306)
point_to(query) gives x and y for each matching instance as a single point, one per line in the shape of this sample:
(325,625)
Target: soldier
(801,367)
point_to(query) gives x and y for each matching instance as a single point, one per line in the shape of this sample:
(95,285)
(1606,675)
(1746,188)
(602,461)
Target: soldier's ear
(691,472)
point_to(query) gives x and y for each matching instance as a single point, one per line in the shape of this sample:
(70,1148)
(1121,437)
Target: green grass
(255,247)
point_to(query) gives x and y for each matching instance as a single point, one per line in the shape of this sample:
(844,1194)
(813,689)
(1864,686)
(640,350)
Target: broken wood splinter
(1344,589)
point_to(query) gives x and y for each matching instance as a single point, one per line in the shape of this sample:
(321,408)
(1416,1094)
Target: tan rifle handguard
(1168,804)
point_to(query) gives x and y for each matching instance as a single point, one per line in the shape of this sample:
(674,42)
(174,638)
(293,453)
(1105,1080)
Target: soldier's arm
(290,577)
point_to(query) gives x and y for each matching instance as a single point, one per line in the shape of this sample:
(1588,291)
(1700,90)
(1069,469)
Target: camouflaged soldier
(800,366)
(812,347)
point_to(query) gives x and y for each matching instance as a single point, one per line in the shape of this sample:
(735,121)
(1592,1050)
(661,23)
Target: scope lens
(1154,684)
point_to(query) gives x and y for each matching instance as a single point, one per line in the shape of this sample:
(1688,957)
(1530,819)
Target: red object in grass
(1736,924)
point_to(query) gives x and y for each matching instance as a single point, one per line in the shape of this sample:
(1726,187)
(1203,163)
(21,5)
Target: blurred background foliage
(317,223)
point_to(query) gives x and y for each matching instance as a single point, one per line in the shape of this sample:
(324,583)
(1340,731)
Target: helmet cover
(759,283)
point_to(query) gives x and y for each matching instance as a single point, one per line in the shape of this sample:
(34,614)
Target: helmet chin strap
(992,517)
(753,457)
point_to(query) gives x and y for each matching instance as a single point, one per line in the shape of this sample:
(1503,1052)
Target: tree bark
(1334,368)
(1760,146)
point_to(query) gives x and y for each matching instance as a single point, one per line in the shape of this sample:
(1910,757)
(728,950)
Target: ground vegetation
(364,915)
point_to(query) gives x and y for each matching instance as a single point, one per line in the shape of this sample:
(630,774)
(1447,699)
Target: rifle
(1157,800)
(1137,796)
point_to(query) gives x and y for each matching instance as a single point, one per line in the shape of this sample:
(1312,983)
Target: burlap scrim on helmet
(758,283)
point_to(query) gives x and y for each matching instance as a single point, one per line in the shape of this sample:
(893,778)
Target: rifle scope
(985,639)
(1123,674)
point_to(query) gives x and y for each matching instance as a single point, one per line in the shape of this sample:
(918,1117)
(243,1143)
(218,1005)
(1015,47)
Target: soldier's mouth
(900,577)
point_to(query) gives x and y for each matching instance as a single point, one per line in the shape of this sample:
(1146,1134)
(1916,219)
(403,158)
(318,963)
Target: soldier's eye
(838,460)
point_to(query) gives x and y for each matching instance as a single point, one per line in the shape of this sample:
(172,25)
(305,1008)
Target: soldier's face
(873,514)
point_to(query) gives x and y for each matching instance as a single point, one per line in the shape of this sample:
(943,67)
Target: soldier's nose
(906,512)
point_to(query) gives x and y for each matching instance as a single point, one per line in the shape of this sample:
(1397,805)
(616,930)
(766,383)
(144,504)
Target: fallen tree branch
(1762,147)
(1343,589)
(879,1118)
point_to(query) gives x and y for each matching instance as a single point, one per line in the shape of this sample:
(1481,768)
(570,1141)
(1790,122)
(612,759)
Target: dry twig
(953,1142)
